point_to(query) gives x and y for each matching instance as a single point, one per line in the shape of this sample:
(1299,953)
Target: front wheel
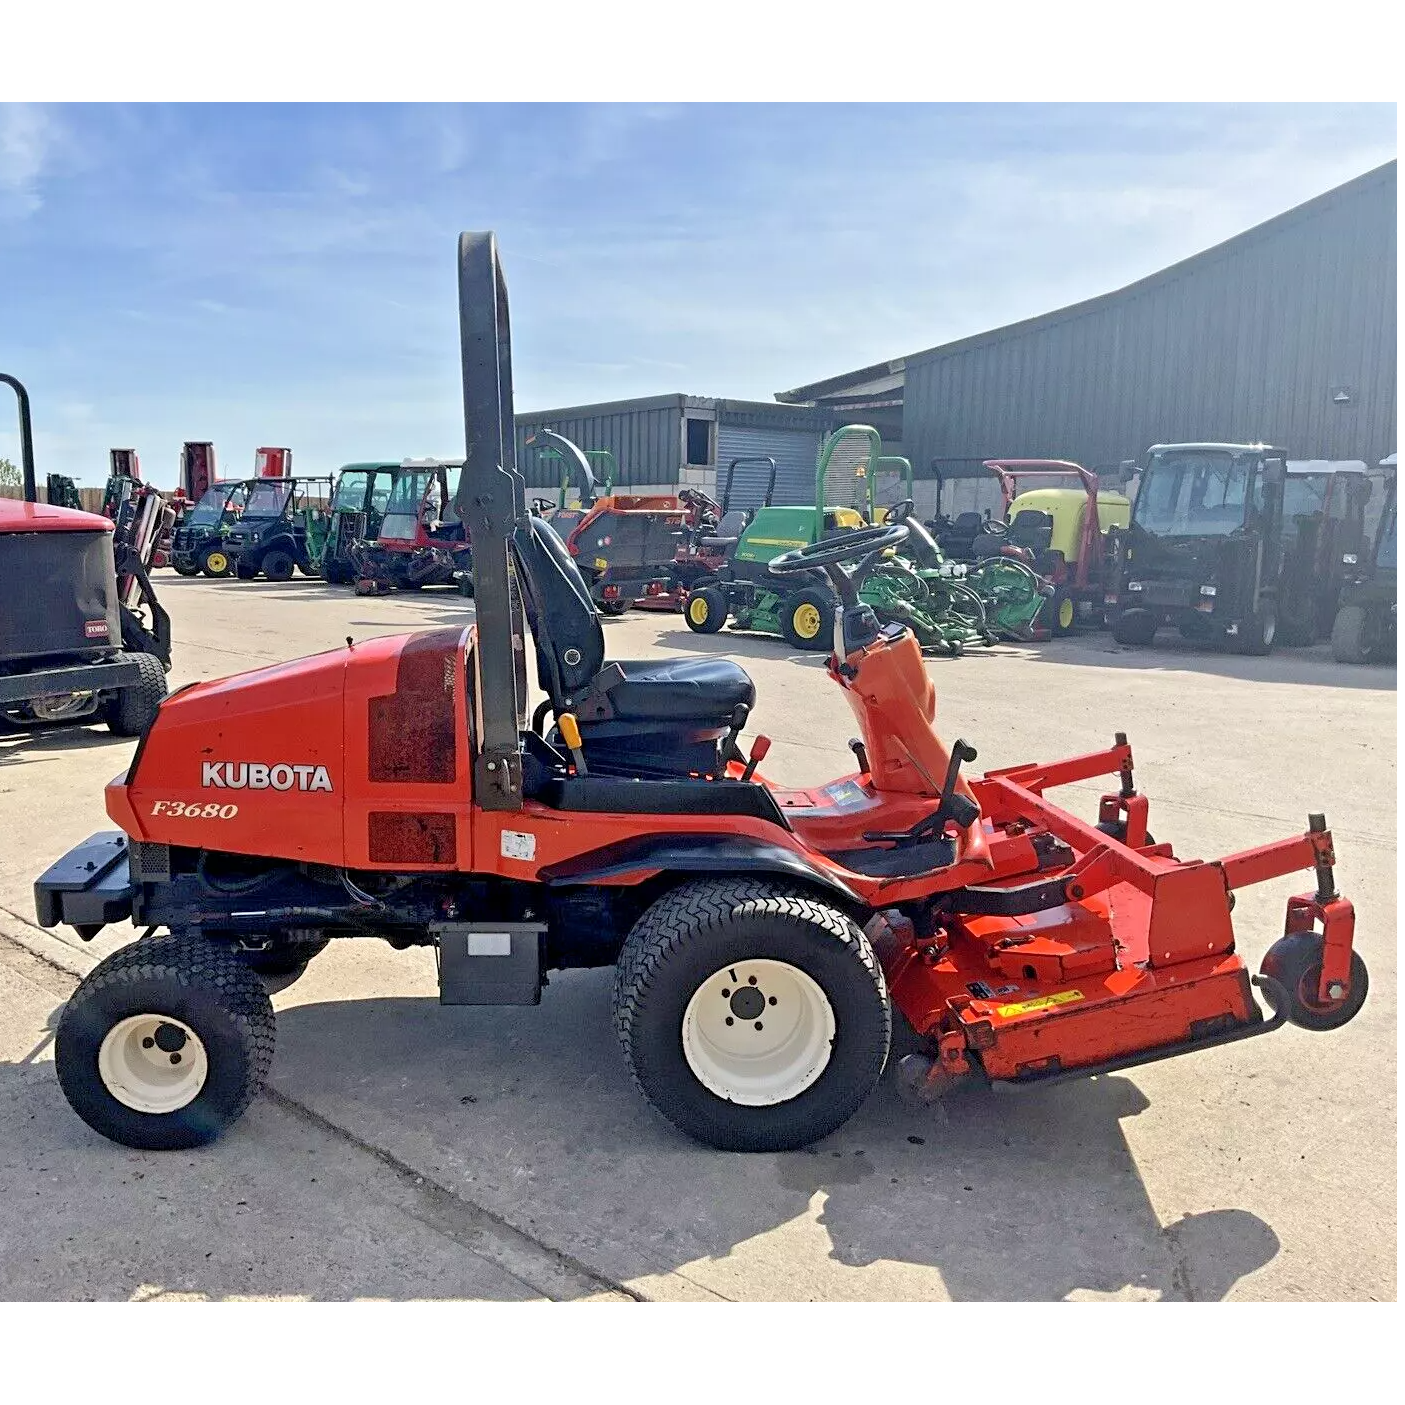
(278,565)
(1350,641)
(165,1043)
(215,563)
(807,618)
(185,568)
(1058,612)
(753,1017)
(1136,628)
(706,610)
(614,608)
(1257,633)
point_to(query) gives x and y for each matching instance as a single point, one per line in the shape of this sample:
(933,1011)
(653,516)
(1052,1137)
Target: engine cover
(357,757)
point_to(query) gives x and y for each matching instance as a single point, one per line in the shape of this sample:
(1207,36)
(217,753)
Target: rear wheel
(165,1043)
(1350,639)
(1136,628)
(134,708)
(215,562)
(278,565)
(614,608)
(753,1017)
(706,610)
(185,568)
(246,570)
(807,618)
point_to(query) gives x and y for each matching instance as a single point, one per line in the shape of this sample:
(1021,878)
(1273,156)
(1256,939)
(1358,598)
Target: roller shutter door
(794,451)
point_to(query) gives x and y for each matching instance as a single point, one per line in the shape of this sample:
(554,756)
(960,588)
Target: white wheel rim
(762,1054)
(147,1077)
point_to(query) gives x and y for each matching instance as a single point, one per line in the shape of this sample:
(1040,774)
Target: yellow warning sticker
(1045,1002)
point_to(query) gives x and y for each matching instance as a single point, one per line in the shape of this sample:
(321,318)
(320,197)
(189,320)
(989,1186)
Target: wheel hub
(153,1063)
(758,1032)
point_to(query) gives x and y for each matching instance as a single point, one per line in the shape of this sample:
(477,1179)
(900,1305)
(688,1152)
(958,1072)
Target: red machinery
(760,934)
(1062,530)
(273,463)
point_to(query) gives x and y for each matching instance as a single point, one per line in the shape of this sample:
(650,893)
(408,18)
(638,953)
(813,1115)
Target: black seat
(685,690)
(1032,530)
(959,538)
(651,717)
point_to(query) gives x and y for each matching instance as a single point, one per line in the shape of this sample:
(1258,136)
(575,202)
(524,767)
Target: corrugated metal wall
(646,439)
(1250,341)
(794,451)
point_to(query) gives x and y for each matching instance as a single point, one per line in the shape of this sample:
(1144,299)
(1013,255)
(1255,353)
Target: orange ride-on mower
(760,935)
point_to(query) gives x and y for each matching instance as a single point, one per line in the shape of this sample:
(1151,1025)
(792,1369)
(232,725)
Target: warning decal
(1044,1002)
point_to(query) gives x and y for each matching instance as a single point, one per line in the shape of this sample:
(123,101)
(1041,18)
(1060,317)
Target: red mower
(760,935)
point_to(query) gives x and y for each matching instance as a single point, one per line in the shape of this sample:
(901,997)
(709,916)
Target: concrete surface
(409,1150)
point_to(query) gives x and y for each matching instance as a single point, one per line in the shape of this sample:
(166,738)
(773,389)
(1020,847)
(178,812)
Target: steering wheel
(848,546)
(542,505)
(901,511)
(993,527)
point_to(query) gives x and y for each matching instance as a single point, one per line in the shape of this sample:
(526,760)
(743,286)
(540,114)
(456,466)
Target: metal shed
(664,441)
(1284,333)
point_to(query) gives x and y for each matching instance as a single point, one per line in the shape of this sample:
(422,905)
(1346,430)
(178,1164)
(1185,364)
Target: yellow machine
(1068,507)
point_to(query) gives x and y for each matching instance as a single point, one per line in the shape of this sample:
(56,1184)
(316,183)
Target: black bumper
(79,678)
(89,887)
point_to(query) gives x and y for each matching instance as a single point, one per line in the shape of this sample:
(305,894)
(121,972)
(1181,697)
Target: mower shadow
(987,1196)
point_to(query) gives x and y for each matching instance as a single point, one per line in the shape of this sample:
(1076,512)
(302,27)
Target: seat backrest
(1031,529)
(562,615)
(733,523)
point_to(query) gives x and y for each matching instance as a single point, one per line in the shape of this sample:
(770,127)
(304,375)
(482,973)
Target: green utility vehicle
(197,544)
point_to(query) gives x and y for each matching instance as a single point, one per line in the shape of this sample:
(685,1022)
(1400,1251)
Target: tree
(10,476)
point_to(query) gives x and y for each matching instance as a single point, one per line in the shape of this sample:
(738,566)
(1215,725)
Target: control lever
(730,751)
(759,748)
(570,731)
(951,807)
(860,755)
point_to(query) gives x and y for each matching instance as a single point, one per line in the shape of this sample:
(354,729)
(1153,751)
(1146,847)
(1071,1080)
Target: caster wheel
(1295,962)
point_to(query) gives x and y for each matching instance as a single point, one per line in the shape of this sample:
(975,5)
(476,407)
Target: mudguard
(635,860)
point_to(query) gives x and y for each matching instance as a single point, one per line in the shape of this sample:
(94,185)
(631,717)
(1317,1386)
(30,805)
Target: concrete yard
(407,1150)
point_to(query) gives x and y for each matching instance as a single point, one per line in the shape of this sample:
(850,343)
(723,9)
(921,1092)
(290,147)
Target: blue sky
(285,275)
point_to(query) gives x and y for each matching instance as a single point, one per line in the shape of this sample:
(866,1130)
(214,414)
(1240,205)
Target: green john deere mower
(947,606)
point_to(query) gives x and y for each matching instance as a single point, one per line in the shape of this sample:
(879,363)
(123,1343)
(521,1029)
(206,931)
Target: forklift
(82,636)
(763,938)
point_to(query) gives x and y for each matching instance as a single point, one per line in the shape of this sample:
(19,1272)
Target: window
(699,442)
(267,499)
(1198,494)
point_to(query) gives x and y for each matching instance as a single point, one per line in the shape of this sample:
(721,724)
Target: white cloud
(27,138)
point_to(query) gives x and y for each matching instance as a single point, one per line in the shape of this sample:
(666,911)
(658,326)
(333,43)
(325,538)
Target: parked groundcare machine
(198,542)
(1203,549)
(625,543)
(420,541)
(1325,504)
(1064,531)
(947,608)
(359,502)
(711,529)
(760,935)
(82,635)
(1364,628)
(282,527)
